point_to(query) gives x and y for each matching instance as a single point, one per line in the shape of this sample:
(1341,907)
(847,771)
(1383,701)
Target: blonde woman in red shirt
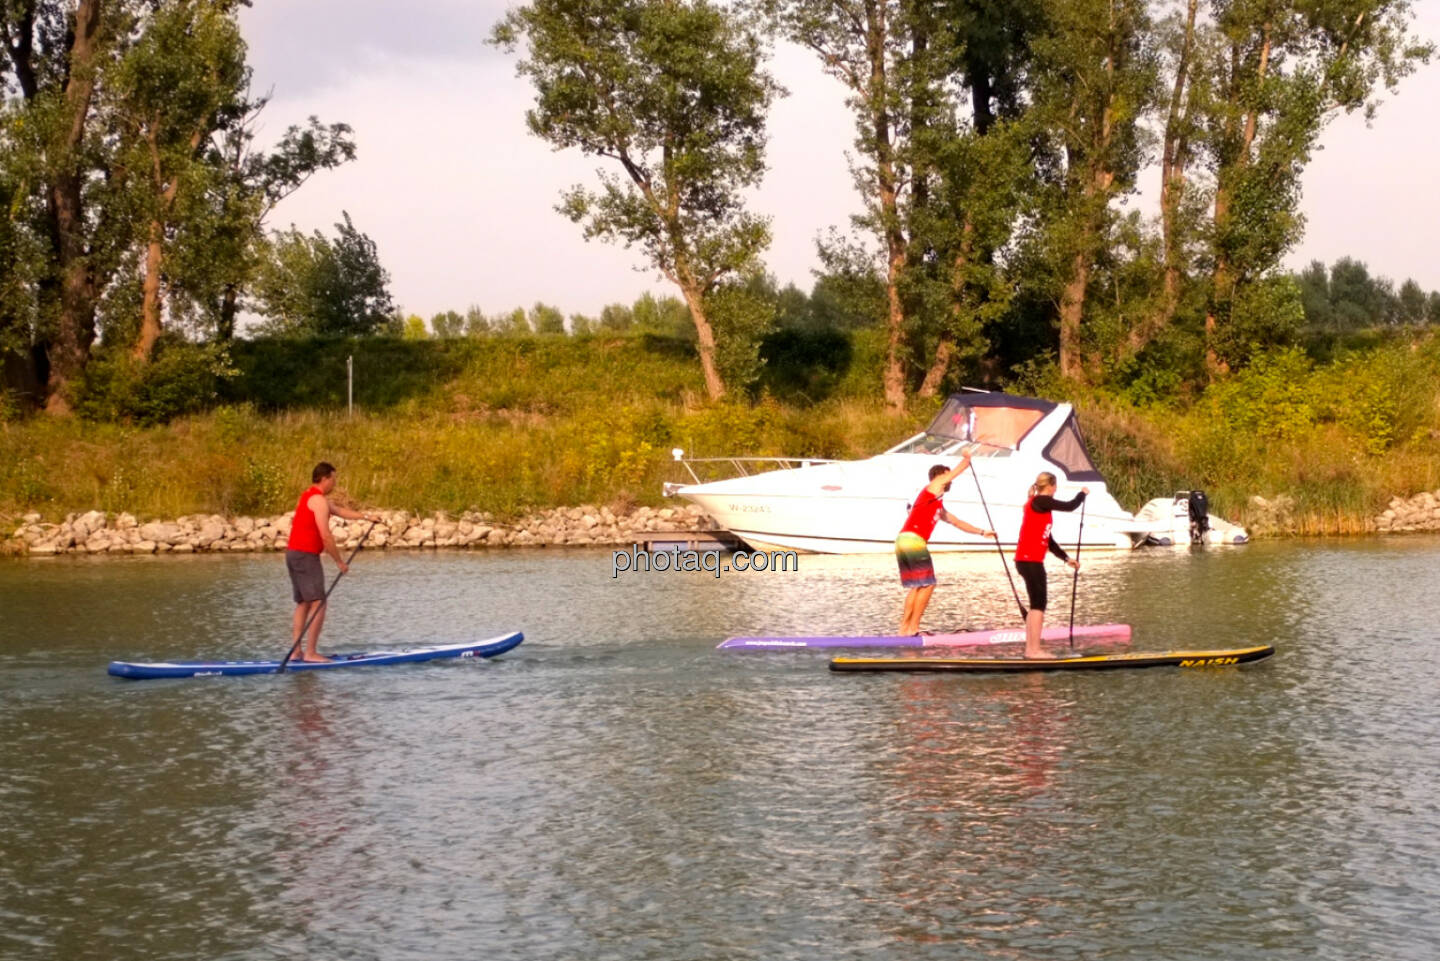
(912,550)
(1035,539)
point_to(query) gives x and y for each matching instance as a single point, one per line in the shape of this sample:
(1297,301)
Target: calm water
(615,788)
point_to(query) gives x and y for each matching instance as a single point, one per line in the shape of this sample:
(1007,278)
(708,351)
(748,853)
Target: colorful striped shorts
(913,555)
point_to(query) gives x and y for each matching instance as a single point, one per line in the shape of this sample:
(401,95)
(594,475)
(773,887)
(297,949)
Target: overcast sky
(459,197)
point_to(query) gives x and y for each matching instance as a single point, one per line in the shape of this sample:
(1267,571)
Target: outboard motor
(1199,516)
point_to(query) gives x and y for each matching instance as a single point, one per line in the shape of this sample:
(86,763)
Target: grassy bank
(514,424)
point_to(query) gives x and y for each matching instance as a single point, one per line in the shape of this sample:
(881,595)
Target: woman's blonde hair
(1044,479)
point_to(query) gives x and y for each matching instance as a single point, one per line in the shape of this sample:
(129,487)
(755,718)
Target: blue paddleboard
(490,647)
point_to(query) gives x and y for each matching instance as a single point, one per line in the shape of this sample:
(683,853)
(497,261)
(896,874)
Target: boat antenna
(1003,563)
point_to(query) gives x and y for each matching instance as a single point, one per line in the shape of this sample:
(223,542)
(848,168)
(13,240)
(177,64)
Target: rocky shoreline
(1420,512)
(96,532)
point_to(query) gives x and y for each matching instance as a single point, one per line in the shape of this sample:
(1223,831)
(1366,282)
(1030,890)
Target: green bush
(181,378)
(1272,398)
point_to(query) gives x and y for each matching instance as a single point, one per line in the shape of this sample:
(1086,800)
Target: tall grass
(511,425)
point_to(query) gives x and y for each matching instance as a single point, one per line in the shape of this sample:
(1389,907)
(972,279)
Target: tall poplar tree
(890,55)
(182,82)
(1281,70)
(673,94)
(1094,83)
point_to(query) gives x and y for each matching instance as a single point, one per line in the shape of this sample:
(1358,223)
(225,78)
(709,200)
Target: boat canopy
(996,420)
(1004,420)
(1067,451)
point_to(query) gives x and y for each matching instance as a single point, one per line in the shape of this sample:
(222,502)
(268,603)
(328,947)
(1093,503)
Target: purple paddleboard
(1109,634)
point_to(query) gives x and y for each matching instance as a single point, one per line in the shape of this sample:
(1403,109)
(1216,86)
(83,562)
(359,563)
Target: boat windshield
(987,424)
(928,443)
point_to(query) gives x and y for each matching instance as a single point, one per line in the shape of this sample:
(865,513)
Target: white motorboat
(857,507)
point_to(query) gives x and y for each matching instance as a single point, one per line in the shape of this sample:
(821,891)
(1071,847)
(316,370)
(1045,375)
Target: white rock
(160,531)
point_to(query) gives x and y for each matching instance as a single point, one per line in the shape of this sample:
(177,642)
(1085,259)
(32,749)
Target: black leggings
(1033,574)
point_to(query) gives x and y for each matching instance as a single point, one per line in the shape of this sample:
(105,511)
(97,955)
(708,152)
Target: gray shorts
(307,576)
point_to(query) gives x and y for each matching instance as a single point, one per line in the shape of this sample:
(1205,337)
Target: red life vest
(1034,539)
(924,515)
(304,529)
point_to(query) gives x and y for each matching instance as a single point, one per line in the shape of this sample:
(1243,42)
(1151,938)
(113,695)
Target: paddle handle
(339,574)
(1075,583)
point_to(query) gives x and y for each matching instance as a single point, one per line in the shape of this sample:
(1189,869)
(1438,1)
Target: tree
(890,55)
(57,55)
(849,294)
(1181,37)
(448,324)
(1096,78)
(514,324)
(123,200)
(1412,303)
(744,312)
(616,317)
(1314,283)
(218,247)
(545,319)
(665,315)
(179,84)
(975,177)
(313,286)
(1280,69)
(673,94)
(476,323)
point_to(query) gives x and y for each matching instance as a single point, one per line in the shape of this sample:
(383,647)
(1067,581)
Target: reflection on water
(615,788)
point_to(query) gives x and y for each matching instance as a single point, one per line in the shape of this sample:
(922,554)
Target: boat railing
(703,470)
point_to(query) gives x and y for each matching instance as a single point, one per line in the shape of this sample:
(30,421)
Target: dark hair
(322,470)
(937,470)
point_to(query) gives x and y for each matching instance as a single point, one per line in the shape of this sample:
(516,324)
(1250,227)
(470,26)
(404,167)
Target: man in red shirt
(310,536)
(912,551)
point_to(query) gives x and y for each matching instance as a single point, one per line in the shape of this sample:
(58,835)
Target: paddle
(1075,584)
(1003,563)
(323,601)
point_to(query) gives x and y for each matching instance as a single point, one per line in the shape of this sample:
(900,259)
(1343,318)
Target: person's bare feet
(313,659)
(1039,656)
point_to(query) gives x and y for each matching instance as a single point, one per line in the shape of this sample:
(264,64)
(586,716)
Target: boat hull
(827,523)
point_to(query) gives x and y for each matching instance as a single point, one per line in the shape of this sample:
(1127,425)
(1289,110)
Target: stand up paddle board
(1094,662)
(491,647)
(1116,634)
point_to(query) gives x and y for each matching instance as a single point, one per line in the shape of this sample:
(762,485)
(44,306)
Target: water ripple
(616,788)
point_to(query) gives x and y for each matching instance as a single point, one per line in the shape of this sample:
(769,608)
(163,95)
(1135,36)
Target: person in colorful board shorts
(1035,539)
(912,550)
(309,537)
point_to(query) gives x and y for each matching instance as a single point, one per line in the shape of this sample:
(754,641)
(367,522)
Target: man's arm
(937,486)
(320,507)
(951,519)
(350,515)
